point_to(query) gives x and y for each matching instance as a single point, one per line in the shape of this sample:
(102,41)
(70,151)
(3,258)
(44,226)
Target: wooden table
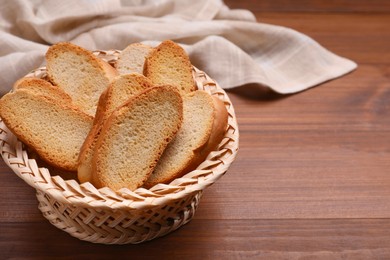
(312,178)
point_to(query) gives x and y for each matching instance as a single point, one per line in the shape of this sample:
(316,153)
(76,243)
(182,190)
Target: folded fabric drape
(230,45)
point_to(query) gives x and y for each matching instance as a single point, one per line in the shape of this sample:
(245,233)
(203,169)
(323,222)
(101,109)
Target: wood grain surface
(312,177)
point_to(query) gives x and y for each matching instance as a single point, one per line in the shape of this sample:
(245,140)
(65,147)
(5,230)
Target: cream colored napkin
(229,45)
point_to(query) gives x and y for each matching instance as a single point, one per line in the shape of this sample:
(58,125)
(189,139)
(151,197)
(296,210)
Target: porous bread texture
(132,58)
(169,64)
(120,90)
(42,87)
(53,129)
(204,125)
(134,137)
(79,73)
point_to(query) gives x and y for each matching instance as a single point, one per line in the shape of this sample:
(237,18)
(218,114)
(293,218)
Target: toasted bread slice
(132,58)
(42,87)
(134,137)
(79,73)
(56,131)
(169,64)
(119,91)
(204,125)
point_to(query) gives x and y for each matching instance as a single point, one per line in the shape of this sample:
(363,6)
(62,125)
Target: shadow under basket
(122,217)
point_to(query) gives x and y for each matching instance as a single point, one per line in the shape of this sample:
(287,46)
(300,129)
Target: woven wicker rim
(71,192)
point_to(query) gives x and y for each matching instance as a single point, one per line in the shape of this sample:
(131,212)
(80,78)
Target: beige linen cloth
(229,45)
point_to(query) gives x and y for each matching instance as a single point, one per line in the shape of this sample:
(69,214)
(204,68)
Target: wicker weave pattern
(105,216)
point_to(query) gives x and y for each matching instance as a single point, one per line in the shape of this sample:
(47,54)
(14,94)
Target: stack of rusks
(137,124)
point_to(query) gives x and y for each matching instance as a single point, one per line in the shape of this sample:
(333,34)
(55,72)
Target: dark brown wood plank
(313,6)
(223,239)
(18,202)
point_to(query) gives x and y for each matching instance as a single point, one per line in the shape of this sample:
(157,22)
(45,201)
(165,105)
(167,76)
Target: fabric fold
(229,45)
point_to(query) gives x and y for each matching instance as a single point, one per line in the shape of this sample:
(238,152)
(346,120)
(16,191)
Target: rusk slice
(54,130)
(134,137)
(132,58)
(120,90)
(79,73)
(169,64)
(43,88)
(204,125)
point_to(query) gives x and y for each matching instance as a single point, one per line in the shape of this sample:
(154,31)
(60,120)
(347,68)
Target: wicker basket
(108,217)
